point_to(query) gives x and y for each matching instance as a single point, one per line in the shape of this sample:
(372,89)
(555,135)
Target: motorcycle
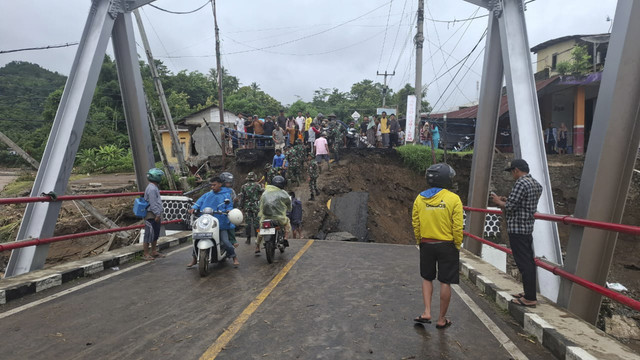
(206,237)
(273,237)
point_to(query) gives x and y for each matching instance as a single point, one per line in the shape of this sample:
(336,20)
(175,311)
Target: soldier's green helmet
(155,175)
(251,176)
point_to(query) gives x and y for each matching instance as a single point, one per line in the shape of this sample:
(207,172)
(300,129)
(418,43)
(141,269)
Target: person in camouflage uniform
(250,198)
(271,173)
(296,164)
(314,172)
(336,134)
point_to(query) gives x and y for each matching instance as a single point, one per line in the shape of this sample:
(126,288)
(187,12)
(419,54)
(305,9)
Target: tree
(303,107)
(250,100)
(580,63)
(230,84)
(400,99)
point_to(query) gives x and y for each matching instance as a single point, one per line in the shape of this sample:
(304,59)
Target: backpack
(140,206)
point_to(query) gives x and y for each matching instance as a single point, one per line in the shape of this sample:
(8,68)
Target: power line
(444,58)
(311,35)
(460,68)
(39,48)
(385,33)
(180,12)
(463,76)
(159,39)
(308,54)
(397,33)
(456,20)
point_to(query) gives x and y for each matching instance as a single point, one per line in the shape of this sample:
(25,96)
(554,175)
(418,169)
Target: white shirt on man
(300,121)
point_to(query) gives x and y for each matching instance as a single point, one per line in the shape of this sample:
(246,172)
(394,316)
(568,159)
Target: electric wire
(311,35)
(307,54)
(465,74)
(39,48)
(158,36)
(384,40)
(180,12)
(444,58)
(395,40)
(460,68)
(404,46)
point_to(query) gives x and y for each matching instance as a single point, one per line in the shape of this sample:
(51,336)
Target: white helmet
(235,216)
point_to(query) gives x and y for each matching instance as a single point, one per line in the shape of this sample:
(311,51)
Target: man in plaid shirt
(519,208)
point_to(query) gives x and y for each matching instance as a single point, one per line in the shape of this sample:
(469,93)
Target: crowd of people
(281,132)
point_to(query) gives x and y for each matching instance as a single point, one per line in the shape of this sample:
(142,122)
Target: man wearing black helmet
(274,205)
(437,226)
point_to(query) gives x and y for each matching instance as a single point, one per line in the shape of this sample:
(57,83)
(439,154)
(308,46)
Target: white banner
(411,118)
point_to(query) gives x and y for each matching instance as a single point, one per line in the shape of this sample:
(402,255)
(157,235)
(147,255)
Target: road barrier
(32,242)
(556,270)
(53,197)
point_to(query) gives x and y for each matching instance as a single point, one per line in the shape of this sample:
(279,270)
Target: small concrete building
(206,133)
(185,142)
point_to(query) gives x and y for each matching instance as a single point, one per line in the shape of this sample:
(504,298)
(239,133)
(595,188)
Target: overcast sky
(293,47)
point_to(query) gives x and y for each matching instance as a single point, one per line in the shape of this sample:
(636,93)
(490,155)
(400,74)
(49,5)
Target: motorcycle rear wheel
(270,249)
(203,262)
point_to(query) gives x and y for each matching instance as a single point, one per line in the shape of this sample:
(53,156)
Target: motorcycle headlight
(205,222)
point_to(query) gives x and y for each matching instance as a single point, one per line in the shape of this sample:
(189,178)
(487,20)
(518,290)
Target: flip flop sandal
(446,324)
(518,296)
(148,258)
(422,320)
(519,302)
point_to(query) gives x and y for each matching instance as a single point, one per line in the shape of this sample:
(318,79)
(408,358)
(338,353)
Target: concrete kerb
(36,281)
(564,334)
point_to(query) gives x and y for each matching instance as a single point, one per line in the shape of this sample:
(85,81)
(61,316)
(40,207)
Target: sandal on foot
(148,258)
(446,324)
(422,320)
(518,296)
(519,302)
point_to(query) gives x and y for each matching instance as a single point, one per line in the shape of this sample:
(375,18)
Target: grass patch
(418,157)
(7,230)
(16,188)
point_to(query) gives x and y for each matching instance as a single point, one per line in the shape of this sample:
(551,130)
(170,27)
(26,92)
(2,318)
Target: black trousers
(522,247)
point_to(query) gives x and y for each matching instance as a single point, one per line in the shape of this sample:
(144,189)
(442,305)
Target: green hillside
(23,89)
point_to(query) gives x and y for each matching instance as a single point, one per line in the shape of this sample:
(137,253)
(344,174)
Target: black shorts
(447,258)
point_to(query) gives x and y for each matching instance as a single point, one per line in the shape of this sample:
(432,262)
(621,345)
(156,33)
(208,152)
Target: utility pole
(158,138)
(419,40)
(384,87)
(219,71)
(175,141)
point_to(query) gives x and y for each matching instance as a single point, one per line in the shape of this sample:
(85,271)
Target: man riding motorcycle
(274,204)
(217,199)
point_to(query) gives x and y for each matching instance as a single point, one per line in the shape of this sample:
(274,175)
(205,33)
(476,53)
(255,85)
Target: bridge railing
(53,198)
(556,270)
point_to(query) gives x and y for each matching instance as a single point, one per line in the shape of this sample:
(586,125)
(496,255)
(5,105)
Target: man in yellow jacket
(437,224)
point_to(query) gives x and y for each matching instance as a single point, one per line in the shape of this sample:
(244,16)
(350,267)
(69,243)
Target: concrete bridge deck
(319,300)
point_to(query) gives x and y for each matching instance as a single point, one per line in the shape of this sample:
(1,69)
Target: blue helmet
(155,175)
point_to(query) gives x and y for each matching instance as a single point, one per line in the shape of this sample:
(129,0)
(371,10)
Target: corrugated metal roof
(472,112)
(551,42)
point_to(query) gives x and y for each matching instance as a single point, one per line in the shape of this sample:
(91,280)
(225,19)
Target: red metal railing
(46,198)
(22,200)
(32,242)
(613,295)
(570,220)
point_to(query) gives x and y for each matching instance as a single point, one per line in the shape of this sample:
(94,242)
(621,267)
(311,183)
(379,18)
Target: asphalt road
(338,301)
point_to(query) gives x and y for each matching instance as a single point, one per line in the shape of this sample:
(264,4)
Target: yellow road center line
(237,324)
